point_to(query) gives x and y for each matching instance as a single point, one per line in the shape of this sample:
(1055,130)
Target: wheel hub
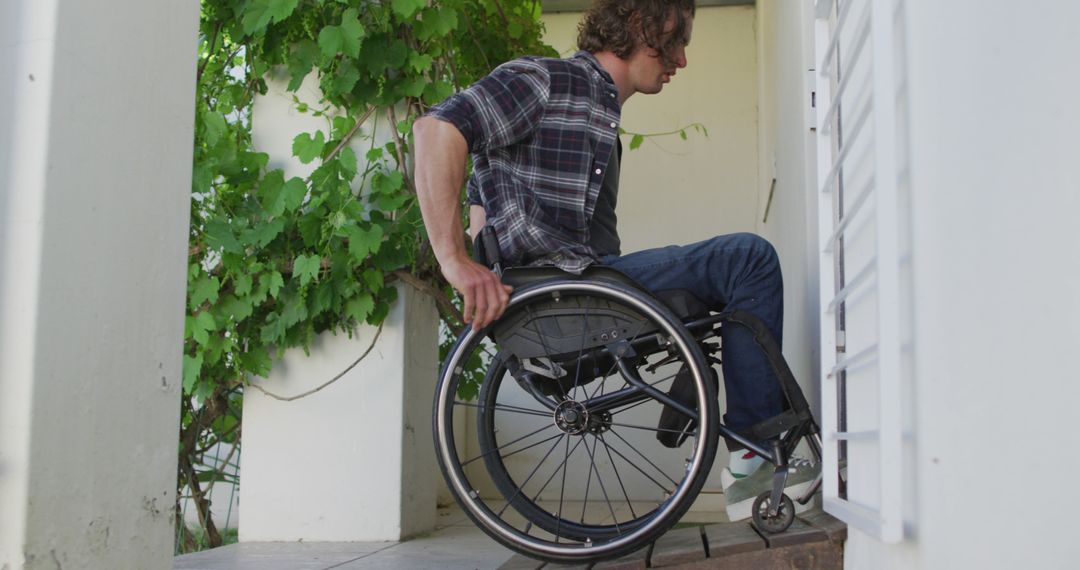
(572,417)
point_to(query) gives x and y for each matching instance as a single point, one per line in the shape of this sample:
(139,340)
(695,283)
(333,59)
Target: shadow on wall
(9,28)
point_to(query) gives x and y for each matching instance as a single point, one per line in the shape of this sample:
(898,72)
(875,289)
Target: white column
(96,124)
(354,461)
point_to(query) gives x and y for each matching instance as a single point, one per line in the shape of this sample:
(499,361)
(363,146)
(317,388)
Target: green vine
(274,261)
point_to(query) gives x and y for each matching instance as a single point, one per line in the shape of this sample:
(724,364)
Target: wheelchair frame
(773,511)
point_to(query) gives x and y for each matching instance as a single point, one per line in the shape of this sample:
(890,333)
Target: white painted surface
(785,149)
(673,191)
(995,188)
(96,123)
(354,461)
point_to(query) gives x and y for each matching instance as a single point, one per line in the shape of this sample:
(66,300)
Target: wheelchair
(593,422)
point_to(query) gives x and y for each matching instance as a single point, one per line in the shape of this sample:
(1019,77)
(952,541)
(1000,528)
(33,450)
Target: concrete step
(815,540)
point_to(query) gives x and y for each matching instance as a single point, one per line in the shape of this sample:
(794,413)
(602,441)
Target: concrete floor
(456,544)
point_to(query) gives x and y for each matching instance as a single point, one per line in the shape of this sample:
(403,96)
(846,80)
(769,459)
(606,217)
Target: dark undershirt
(603,235)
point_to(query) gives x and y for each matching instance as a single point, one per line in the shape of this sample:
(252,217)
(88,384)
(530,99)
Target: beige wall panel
(675,191)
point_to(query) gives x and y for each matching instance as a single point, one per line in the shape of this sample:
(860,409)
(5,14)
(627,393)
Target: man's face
(648,71)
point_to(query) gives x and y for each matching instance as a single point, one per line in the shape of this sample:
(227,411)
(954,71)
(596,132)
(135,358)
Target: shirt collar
(589,58)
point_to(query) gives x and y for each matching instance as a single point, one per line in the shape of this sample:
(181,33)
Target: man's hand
(485,296)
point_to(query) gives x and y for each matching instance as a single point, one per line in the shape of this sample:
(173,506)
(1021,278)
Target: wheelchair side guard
(566,326)
(798,413)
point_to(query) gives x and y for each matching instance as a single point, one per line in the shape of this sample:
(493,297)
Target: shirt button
(598,171)
(612,94)
(613,125)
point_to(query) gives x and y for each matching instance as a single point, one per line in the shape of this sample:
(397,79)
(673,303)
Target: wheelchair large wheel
(557,454)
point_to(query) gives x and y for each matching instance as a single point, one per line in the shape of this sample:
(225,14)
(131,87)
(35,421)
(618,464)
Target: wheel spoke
(584,334)
(506,408)
(617,476)
(632,464)
(527,479)
(603,488)
(647,460)
(493,450)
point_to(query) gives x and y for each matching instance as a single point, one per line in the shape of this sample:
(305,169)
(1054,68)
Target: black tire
(503,496)
(772,525)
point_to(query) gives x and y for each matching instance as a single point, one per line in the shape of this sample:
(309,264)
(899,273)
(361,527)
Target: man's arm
(441,151)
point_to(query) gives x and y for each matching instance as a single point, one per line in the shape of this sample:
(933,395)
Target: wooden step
(815,540)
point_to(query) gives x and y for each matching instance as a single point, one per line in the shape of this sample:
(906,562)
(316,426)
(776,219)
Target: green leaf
(242,284)
(200,326)
(325,178)
(205,289)
(437,23)
(347,159)
(346,78)
(214,127)
(342,125)
(360,306)
(636,141)
(236,308)
(219,235)
(363,242)
(420,62)
(274,330)
(256,360)
(331,40)
(192,366)
(414,87)
(273,282)
(262,234)
(307,267)
(387,182)
(308,148)
(374,279)
(515,30)
(682,134)
(259,13)
(352,32)
(301,60)
(277,196)
(406,8)
(437,91)
(397,55)
(295,311)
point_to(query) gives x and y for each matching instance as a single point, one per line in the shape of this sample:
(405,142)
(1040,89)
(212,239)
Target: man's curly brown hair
(621,26)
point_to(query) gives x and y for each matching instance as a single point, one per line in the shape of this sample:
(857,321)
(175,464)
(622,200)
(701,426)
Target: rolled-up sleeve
(501,109)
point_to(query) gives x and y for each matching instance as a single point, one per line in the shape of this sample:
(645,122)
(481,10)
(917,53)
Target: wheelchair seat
(681,302)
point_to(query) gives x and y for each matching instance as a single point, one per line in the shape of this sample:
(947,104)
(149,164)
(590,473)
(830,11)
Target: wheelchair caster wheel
(777,524)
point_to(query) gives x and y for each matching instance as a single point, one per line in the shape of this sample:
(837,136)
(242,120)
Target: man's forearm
(441,151)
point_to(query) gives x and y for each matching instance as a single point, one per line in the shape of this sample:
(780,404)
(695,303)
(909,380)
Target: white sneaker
(740,492)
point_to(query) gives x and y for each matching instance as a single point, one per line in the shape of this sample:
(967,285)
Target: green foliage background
(276,260)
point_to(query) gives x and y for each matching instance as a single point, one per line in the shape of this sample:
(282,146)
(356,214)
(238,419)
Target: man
(543,134)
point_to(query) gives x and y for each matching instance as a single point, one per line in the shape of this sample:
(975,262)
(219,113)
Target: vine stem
(438,296)
(345,140)
(328,382)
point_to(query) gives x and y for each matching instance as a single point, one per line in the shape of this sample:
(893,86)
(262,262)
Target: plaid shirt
(541,132)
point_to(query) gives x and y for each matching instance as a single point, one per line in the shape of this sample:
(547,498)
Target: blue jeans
(737,271)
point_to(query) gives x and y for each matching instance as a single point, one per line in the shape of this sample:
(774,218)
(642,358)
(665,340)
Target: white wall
(673,191)
(995,187)
(95,165)
(789,219)
(354,461)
